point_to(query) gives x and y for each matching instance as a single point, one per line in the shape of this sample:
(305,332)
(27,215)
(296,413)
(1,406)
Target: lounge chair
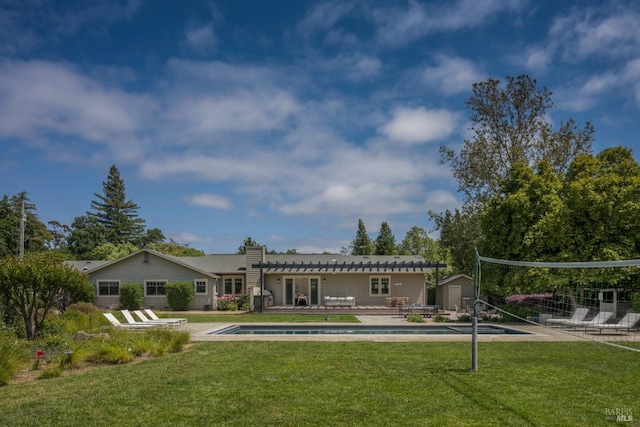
(167,322)
(602,317)
(132,321)
(115,322)
(627,323)
(578,316)
(153,316)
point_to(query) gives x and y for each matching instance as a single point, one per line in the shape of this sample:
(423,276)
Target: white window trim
(109,281)
(195,286)
(380,277)
(166,282)
(233,284)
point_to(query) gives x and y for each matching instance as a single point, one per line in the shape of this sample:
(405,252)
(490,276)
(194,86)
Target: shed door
(455,297)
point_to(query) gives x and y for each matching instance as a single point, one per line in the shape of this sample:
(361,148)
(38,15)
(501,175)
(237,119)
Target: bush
(12,353)
(517,312)
(415,318)
(179,295)
(464,318)
(131,295)
(228,302)
(441,319)
(635,302)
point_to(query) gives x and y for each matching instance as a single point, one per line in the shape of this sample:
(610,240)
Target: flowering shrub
(228,302)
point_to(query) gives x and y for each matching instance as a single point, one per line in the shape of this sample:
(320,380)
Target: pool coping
(204,332)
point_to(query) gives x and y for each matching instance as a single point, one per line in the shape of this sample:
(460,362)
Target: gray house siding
(143,267)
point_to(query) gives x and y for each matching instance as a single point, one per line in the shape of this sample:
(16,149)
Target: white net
(598,301)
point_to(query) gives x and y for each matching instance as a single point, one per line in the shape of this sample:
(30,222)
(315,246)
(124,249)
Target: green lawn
(341,384)
(263,317)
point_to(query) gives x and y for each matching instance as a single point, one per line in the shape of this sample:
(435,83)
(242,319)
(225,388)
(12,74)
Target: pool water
(335,329)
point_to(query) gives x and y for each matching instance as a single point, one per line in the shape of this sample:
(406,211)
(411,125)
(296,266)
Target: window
(379,285)
(108,287)
(233,285)
(200,286)
(155,287)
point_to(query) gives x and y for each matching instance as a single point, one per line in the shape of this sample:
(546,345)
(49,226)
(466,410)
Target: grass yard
(341,384)
(245,317)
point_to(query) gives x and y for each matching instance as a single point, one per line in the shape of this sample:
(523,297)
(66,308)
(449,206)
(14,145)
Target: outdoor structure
(288,279)
(454,291)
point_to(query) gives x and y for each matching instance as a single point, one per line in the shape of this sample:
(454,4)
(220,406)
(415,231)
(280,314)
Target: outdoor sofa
(329,301)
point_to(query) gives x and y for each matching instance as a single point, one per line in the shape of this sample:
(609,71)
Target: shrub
(518,312)
(228,302)
(464,318)
(441,319)
(179,295)
(131,295)
(12,353)
(415,318)
(243,302)
(635,302)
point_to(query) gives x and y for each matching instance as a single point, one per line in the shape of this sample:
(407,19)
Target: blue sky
(286,121)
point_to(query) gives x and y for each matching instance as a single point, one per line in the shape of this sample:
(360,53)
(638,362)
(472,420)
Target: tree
(86,235)
(151,237)
(173,248)
(361,244)
(29,287)
(36,234)
(117,215)
(109,251)
(510,127)
(385,243)
(418,242)
(247,242)
(459,234)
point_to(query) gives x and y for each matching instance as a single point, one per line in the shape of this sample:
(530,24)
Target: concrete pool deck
(202,332)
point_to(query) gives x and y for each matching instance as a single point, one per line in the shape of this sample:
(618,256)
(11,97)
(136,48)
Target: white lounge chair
(602,317)
(167,322)
(578,316)
(132,321)
(153,316)
(627,323)
(115,322)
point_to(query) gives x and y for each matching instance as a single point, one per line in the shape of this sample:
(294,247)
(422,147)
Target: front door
(314,291)
(455,297)
(289,291)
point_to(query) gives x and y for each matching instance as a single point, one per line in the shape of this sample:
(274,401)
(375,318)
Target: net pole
(474,320)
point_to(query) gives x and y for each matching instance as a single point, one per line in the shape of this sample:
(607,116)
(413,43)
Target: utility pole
(23,219)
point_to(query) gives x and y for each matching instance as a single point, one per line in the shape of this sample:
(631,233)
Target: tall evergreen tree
(385,243)
(115,213)
(362,244)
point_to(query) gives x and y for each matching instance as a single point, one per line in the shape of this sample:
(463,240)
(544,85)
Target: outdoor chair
(153,316)
(602,317)
(115,322)
(627,323)
(578,316)
(167,322)
(132,321)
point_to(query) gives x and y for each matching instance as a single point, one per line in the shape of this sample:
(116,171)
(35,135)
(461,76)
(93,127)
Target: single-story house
(456,290)
(370,280)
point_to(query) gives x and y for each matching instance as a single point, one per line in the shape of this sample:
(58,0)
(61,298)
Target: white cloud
(214,201)
(188,238)
(402,25)
(38,98)
(416,126)
(202,38)
(537,59)
(607,31)
(452,75)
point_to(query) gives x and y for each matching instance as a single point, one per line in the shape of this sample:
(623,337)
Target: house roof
(345,264)
(449,279)
(219,264)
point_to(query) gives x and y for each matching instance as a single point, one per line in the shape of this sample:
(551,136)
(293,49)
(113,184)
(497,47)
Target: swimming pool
(341,329)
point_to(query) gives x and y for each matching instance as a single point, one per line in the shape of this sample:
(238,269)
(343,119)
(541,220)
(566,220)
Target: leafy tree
(86,235)
(59,234)
(35,232)
(510,127)
(173,248)
(247,242)
(418,242)
(459,234)
(385,243)
(117,215)
(361,244)
(29,287)
(152,236)
(109,251)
